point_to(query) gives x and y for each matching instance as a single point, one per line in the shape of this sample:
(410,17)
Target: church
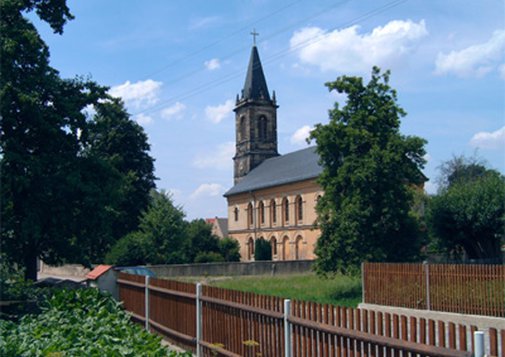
(274,196)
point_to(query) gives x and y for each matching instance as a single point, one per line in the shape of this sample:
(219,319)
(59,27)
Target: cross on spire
(254,34)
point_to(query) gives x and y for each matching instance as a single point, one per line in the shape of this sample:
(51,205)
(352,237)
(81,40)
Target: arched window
(235,213)
(285,248)
(285,210)
(298,248)
(299,208)
(250,215)
(261,209)
(250,248)
(273,243)
(262,127)
(273,212)
(242,128)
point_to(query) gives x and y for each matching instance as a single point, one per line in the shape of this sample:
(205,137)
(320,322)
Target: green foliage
(12,283)
(469,214)
(368,170)
(208,257)
(62,198)
(160,238)
(230,249)
(79,323)
(262,250)
(132,249)
(123,144)
(201,241)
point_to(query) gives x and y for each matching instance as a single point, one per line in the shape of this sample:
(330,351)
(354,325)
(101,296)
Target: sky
(178,65)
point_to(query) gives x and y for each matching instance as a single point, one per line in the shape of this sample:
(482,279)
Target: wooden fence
(467,289)
(224,322)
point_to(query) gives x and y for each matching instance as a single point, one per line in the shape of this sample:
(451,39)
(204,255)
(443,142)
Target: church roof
(255,86)
(293,167)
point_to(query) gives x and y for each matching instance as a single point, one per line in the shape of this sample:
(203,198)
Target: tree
(200,240)
(469,213)
(67,193)
(262,250)
(160,239)
(230,249)
(122,143)
(369,170)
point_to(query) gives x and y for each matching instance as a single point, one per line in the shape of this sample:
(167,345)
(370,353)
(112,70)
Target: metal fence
(213,321)
(467,289)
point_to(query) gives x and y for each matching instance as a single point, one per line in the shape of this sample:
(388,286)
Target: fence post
(287,328)
(363,282)
(427,275)
(147,301)
(478,338)
(198,319)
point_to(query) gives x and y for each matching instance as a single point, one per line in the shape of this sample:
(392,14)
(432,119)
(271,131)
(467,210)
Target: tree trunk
(31,266)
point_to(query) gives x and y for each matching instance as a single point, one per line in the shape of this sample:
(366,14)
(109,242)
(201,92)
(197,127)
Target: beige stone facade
(284,215)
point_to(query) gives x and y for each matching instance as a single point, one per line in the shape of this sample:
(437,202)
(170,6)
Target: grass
(340,290)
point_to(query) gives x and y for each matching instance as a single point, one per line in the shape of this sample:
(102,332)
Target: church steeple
(255,120)
(255,86)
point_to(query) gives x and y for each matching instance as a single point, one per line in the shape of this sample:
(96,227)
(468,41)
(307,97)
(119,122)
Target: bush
(262,250)
(209,257)
(132,249)
(230,249)
(79,323)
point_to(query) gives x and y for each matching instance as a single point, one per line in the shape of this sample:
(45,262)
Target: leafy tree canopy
(62,197)
(469,211)
(369,169)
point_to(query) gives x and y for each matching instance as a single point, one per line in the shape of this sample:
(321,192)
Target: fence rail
(467,289)
(214,321)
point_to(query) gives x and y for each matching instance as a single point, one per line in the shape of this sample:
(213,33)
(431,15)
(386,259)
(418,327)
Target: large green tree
(369,171)
(123,144)
(60,197)
(468,213)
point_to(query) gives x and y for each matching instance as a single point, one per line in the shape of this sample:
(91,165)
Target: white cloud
(207,189)
(473,61)
(489,140)
(348,51)
(220,158)
(212,64)
(218,113)
(143,119)
(203,22)
(427,157)
(300,136)
(173,112)
(141,94)
(430,187)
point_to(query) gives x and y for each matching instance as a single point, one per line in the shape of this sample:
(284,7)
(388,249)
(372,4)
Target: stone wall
(233,269)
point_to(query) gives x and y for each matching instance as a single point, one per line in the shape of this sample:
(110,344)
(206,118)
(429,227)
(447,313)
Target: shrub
(209,257)
(262,250)
(132,249)
(230,249)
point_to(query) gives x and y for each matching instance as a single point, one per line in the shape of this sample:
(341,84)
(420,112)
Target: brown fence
(467,289)
(244,324)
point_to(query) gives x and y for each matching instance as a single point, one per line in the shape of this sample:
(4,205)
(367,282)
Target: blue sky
(179,65)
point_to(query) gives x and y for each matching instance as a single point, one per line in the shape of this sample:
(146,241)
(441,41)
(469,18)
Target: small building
(219,226)
(104,277)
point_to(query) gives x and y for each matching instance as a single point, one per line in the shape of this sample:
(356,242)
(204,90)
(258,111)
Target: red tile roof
(98,271)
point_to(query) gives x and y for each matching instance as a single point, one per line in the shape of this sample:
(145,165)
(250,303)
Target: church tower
(255,121)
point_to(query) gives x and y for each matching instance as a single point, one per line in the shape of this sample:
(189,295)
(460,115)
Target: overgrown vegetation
(262,250)
(80,322)
(342,290)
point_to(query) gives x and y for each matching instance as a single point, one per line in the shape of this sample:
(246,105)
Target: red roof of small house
(98,271)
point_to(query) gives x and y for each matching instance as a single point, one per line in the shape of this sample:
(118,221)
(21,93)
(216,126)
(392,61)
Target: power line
(273,58)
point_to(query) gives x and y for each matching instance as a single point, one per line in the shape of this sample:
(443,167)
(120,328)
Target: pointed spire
(255,86)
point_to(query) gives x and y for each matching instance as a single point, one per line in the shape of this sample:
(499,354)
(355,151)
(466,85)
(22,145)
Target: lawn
(340,290)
